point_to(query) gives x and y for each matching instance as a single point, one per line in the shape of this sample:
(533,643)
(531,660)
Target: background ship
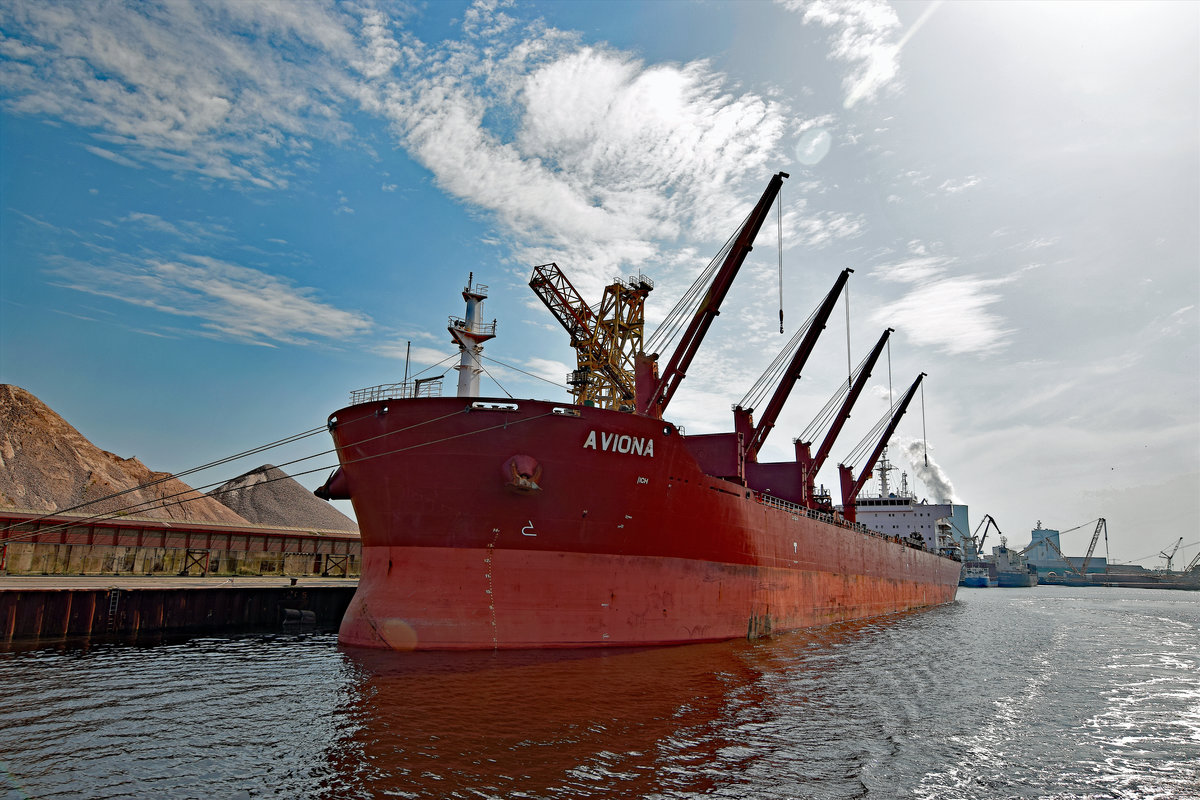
(492,522)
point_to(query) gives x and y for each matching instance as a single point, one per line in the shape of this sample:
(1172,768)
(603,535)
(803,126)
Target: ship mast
(885,467)
(469,333)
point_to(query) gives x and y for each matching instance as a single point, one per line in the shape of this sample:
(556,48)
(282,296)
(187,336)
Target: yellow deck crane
(605,339)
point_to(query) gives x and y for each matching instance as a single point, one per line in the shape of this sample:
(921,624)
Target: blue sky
(218,219)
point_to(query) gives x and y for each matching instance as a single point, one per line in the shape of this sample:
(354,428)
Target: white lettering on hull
(623,443)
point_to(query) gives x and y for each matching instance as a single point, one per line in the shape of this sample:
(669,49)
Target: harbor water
(1050,692)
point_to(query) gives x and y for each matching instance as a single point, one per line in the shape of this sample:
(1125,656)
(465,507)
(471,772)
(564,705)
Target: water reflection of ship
(627,722)
(535,723)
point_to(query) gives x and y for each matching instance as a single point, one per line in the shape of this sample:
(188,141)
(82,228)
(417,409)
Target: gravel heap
(267,496)
(47,465)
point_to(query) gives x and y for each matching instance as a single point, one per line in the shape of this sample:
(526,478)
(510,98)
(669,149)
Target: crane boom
(1170,557)
(803,351)
(843,414)
(1100,526)
(1080,572)
(558,293)
(987,523)
(667,384)
(605,343)
(850,486)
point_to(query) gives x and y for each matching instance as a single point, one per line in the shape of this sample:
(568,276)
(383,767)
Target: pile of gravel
(46,465)
(267,496)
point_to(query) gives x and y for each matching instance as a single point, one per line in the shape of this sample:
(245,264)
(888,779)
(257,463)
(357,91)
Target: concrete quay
(59,607)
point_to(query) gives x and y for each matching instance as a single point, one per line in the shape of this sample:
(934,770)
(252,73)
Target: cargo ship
(490,522)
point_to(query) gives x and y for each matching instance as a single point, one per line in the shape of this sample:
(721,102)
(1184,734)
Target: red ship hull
(502,524)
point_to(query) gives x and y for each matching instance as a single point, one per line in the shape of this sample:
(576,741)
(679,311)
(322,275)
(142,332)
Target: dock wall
(59,545)
(47,614)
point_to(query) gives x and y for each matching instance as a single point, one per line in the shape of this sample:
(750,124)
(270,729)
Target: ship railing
(398,391)
(820,516)
(637,282)
(482,328)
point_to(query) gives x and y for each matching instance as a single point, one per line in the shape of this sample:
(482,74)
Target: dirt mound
(47,465)
(267,496)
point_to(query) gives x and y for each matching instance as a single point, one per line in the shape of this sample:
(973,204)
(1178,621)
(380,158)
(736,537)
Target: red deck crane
(792,374)
(812,464)
(654,392)
(850,486)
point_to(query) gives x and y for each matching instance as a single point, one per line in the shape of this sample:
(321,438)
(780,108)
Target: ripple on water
(1040,693)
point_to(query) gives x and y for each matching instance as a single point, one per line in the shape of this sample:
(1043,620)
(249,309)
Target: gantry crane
(606,341)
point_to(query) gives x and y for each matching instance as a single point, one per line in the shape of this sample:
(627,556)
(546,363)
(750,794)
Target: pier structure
(64,577)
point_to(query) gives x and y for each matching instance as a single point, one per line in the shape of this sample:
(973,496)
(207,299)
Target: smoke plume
(927,471)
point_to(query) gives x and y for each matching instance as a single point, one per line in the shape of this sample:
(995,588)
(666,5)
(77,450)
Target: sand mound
(47,465)
(267,496)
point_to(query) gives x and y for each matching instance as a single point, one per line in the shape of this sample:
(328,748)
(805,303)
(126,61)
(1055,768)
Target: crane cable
(111,515)
(672,325)
(219,462)
(824,417)
(924,434)
(159,502)
(849,376)
(779,228)
(872,437)
(774,372)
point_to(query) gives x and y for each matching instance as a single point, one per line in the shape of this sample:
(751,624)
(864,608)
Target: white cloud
(956,186)
(913,270)
(864,39)
(951,314)
(597,179)
(113,157)
(420,358)
(231,301)
(171,86)
(600,179)
(548,369)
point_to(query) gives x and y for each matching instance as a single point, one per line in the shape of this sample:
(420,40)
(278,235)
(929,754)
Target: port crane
(987,523)
(1171,556)
(1054,547)
(1101,527)
(850,486)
